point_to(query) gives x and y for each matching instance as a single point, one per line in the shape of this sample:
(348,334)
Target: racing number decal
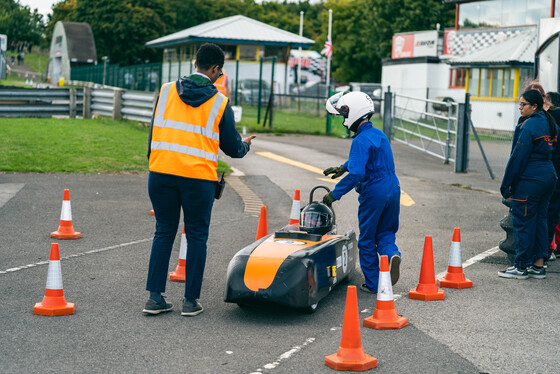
(344,258)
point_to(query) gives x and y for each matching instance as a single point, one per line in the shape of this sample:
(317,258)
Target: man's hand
(336,170)
(249,138)
(328,199)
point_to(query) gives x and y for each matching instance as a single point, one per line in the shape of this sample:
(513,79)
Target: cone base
(62,310)
(60,235)
(380,324)
(442,282)
(176,276)
(338,363)
(424,296)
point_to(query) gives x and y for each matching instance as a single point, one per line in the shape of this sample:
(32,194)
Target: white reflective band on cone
(384,290)
(183,248)
(66,211)
(295,210)
(455,254)
(54,276)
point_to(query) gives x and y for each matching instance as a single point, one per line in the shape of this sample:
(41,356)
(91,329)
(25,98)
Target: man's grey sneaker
(533,272)
(513,272)
(190,309)
(365,288)
(154,308)
(394,268)
(552,257)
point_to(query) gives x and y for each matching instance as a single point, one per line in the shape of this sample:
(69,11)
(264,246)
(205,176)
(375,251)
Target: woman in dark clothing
(529,180)
(553,214)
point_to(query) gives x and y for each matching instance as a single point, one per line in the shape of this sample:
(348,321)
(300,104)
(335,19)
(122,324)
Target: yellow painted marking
(406,200)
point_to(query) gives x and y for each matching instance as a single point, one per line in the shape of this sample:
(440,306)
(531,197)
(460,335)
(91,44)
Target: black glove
(328,199)
(336,170)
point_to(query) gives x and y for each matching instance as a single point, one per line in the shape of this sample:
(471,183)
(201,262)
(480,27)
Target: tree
(362,39)
(121,28)
(62,11)
(19,23)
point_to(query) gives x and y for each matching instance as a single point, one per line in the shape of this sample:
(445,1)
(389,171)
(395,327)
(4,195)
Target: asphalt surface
(497,326)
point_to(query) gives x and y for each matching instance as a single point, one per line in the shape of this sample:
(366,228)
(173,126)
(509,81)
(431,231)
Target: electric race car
(294,267)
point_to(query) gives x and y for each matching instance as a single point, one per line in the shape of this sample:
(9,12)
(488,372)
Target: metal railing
(427,125)
(40,102)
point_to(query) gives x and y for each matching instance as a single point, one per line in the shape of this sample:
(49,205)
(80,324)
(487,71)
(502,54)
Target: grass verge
(94,146)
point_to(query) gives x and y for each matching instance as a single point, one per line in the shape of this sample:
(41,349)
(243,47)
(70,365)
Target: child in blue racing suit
(371,171)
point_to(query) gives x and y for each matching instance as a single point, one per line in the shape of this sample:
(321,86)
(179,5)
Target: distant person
(191,121)
(554,98)
(153,80)
(222,85)
(22,54)
(371,172)
(29,47)
(529,181)
(127,80)
(12,59)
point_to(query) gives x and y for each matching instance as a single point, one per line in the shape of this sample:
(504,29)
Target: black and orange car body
(290,268)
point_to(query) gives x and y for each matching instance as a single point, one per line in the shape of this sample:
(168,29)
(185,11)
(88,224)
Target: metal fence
(37,102)
(427,125)
(143,77)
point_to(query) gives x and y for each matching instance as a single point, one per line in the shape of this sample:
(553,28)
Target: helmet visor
(314,219)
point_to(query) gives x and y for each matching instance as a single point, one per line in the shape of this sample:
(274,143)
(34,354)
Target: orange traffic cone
(294,215)
(385,315)
(66,229)
(454,278)
(427,289)
(262,228)
(351,355)
(54,303)
(179,274)
(152,213)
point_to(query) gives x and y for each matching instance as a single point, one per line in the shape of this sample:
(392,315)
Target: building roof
(237,30)
(516,50)
(80,42)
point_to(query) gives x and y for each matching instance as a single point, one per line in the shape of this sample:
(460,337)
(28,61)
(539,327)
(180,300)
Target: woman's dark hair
(208,55)
(535,97)
(554,98)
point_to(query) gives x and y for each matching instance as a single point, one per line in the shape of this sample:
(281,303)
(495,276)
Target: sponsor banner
(417,44)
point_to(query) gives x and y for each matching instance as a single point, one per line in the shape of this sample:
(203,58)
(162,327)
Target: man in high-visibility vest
(192,120)
(222,85)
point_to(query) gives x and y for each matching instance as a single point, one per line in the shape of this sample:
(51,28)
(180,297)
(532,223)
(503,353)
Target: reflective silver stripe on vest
(185,150)
(205,131)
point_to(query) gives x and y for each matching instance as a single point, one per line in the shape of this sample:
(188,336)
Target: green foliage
(20,23)
(361,39)
(362,29)
(62,11)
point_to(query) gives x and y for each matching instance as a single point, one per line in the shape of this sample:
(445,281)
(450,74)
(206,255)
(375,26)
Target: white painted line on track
(285,356)
(474,260)
(11,270)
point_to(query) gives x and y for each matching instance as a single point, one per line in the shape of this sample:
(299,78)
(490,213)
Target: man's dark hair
(208,55)
(554,98)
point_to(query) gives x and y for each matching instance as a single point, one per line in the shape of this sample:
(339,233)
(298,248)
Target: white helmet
(353,106)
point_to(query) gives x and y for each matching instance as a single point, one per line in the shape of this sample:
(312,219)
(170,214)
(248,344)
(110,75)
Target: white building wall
(59,63)
(430,80)
(494,115)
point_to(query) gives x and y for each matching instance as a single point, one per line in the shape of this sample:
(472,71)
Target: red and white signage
(423,43)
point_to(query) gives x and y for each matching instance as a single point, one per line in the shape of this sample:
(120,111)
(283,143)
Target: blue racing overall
(529,180)
(371,171)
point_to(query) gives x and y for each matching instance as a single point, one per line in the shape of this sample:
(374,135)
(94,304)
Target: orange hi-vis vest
(186,139)
(221,83)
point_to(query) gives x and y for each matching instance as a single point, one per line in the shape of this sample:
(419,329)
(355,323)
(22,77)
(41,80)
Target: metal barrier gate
(427,125)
